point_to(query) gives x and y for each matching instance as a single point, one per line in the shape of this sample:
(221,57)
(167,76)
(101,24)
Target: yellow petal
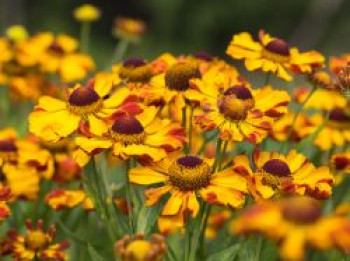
(146,176)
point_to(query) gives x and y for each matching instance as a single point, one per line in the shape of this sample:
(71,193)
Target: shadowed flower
(272,55)
(294,224)
(90,105)
(185,177)
(276,174)
(128,28)
(36,244)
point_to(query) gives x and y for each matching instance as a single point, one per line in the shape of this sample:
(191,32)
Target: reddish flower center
(83,96)
(278,46)
(135,70)
(203,56)
(55,48)
(241,92)
(189,161)
(128,130)
(134,62)
(339,115)
(178,76)
(277,168)
(341,162)
(301,210)
(8,146)
(127,125)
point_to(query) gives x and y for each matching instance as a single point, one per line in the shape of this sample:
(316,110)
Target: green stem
(217,154)
(267,79)
(299,111)
(187,240)
(120,50)
(128,197)
(85,37)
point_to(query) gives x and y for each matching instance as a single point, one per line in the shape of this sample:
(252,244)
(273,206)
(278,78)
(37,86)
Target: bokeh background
(186,26)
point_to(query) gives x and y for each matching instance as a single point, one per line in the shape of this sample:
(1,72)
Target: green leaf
(227,254)
(94,255)
(147,218)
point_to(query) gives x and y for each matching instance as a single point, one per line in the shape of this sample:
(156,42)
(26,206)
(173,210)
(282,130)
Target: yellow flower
(55,54)
(128,28)
(16,33)
(142,135)
(294,224)
(276,174)
(53,119)
(185,177)
(36,244)
(336,131)
(272,55)
(321,99)
(87,13)
(234,109)
(60,199)
(140,249)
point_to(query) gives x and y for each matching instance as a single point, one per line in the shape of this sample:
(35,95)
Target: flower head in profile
(36,243)
(139,248)
(136,131)
(89,106)
(128,28)
(272,55)
(295,224)
(59,199)
(236,110)
(87,13)
(184,177)
(274,174)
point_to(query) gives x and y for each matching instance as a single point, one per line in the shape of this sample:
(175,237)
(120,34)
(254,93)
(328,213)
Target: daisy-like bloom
(336,64)
(55,54)
(321,99)
(344,79)
(295,223)
(336,131)
(87,13)
(321,79)
(36,244)
(53,119)
(139,248)
(276,174)
(60,199)
(128,28)
(141,134)
(185,177)
(239,112)
(272,55)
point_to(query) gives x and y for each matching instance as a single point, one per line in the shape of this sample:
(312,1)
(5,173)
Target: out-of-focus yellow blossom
(128,28)
(87,13)
(295,223)
(60,199)
(16,33)
(139,248)
(36,244)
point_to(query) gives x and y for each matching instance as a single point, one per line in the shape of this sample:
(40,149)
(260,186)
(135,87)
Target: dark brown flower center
(55,48)
(301,210)
(189,173)
(83,96)
(341,162)
(8,146)
(339,115)
(278,46)
(277,168)
(178,76)
(236,103)
(135,70)
(128,130)
(203,56)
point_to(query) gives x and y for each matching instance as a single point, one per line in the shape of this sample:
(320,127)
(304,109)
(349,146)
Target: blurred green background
(186,26)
